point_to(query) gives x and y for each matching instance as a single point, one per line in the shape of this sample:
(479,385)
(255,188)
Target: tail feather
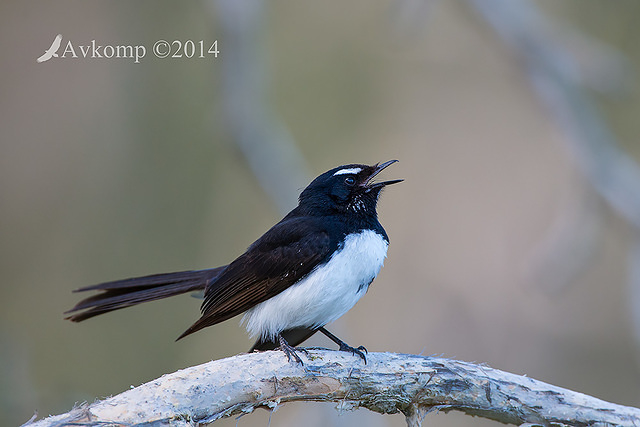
(129,292)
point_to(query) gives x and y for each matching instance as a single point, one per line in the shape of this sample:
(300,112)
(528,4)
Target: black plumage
(338,204)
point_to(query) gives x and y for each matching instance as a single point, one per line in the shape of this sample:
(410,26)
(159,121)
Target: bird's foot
(291,352)
(360,351)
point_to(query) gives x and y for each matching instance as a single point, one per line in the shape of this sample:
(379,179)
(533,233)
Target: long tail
(129,292)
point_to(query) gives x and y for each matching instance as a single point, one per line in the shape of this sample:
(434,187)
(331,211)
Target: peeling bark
(389,383)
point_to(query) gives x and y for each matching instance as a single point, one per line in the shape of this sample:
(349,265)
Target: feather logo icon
(52,51)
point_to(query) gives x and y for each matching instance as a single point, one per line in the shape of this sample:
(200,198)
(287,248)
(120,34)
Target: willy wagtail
(305,272)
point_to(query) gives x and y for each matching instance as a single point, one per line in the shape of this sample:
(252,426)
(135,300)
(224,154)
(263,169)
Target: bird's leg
(290,351)
(360,351)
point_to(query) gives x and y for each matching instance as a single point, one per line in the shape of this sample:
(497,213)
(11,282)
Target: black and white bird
(305,272)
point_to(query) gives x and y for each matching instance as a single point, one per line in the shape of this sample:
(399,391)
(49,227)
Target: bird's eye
(350,181)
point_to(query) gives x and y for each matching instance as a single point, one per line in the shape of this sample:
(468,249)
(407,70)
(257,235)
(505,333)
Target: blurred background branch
(562,82)
(254,126)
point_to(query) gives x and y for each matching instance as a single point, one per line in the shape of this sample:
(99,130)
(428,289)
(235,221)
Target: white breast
(326,293)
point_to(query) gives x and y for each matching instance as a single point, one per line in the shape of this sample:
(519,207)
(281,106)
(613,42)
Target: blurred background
(514,239)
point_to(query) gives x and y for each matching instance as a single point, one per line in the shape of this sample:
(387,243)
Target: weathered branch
(389,383)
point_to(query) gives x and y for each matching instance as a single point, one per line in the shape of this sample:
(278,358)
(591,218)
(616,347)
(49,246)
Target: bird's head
(348,188)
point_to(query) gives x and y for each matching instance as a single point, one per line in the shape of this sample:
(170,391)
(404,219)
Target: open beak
(379,168)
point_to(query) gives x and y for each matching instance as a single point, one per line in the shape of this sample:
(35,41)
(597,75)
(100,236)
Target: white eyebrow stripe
(348,171)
